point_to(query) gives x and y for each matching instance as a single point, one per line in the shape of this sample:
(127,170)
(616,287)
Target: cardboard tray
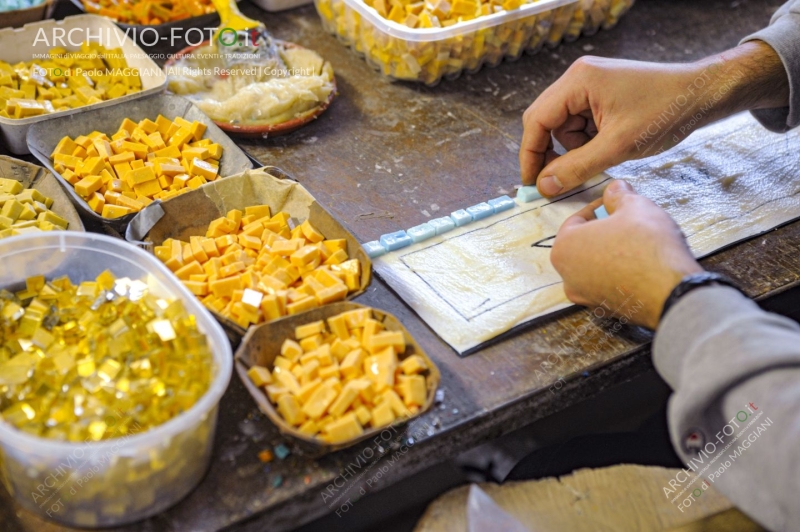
(263,343)
(34,176)
(163,30)
(18,45)
(189,215)
(163,39)
(44,136)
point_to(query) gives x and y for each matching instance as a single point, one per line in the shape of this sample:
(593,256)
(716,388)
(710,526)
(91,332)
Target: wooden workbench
(386,156)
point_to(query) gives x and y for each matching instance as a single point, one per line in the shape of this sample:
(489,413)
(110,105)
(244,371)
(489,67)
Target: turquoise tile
(442,225)
(374,249)
(461,217)
(421,232)
(396,240)
(503,203)
(528,194)
(480,211)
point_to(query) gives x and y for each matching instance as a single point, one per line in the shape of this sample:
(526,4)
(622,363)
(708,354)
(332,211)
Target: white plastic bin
(428,54)
(23,44)
(121,480)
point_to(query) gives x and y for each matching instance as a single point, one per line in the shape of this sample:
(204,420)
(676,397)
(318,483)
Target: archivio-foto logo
(231,37)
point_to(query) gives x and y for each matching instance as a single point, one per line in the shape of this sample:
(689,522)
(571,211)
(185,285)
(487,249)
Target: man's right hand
(607,111)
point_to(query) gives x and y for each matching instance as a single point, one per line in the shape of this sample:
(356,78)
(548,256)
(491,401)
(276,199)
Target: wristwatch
(692,281)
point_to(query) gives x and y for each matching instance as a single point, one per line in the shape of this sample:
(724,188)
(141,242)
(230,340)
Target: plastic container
(27,42)
(591,15)
(119,480)
(428,54)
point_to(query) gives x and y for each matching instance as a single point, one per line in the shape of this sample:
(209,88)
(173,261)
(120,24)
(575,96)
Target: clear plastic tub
(591,15)
(119,480)
(428,54)
(26,43)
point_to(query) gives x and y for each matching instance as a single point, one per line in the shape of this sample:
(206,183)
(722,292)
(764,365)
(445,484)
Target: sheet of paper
(727,182)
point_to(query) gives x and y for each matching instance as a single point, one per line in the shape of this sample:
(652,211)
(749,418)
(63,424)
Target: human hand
(631,260)
(607,111)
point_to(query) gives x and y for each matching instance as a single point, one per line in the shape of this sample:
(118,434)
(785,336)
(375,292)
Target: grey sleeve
(783,35)
(735,415)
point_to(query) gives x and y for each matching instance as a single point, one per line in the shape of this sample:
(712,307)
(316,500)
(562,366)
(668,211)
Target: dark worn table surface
(386,156)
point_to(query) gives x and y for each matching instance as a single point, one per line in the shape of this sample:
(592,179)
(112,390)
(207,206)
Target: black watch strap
(690,282)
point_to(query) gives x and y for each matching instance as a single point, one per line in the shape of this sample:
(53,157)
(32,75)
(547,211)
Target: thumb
(578,166)
(615,193)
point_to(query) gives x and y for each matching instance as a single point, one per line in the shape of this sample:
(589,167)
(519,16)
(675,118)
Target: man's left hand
(637,254)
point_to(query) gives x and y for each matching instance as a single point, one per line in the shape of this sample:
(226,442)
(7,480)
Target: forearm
(783,36)
(721,353)
(749,77)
